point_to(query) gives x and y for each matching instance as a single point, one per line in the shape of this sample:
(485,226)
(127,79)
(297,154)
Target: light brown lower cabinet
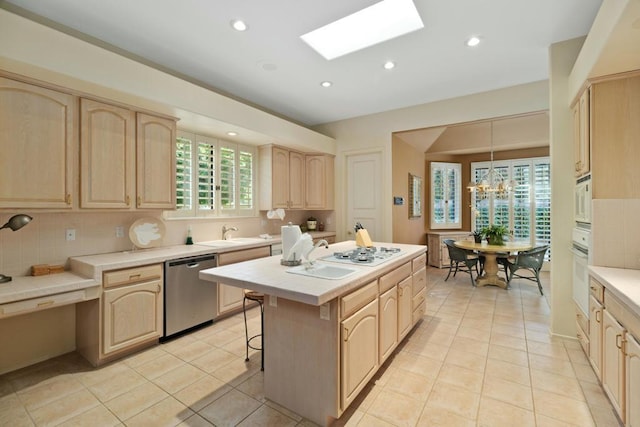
(613,375)
(388,303)
(595,335)
(127,316)
(132,315)
(359,350)
(632,365)
(405,307)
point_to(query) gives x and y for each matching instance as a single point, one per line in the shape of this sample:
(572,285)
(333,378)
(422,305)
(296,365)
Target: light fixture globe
(15,223)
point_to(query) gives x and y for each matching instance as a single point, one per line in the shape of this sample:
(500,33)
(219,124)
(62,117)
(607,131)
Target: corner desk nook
(324,339)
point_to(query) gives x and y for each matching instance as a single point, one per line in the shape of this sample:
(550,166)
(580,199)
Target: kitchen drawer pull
(134,276)
(45,303)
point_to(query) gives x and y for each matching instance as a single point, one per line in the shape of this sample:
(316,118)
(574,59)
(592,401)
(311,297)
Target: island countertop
(268,276)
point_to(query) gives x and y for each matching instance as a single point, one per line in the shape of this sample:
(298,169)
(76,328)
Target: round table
(490,252)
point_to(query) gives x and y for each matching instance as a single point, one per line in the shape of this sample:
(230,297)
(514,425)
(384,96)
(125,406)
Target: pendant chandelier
(492,181)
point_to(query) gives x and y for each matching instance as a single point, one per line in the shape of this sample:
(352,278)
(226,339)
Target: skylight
(375,24)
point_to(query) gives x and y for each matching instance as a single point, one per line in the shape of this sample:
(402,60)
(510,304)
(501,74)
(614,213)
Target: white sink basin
(322,271)
(231,242)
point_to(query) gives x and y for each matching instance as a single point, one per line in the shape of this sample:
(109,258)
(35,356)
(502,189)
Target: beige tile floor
(480,357)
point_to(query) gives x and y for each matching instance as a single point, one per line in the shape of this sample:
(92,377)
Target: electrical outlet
(119,231)
(273,301)
(70,234)
(328,221)
(325,312)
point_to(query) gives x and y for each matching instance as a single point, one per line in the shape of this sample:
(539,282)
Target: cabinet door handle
(158,288)
(139,201)
(400,291)
(128,200)
(619,341)
(598,320)
(67,199)
(346,334)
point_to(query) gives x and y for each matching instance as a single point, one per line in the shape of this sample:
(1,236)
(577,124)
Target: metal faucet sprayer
(226,229)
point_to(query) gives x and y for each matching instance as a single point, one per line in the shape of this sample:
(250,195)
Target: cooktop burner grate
(366,256)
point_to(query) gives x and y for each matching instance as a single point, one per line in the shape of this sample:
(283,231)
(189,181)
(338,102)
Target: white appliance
(582,200)
(581,242)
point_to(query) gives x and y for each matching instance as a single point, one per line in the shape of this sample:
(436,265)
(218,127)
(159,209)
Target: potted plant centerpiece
(495,234)
(477,236)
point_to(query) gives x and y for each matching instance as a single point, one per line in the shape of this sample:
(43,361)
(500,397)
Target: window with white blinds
(446,193)
(224,174)
(527,210)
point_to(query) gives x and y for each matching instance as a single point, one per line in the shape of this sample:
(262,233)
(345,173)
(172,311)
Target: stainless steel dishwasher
(188,300)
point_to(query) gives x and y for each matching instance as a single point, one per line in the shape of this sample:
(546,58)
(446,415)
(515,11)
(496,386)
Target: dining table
(491,253)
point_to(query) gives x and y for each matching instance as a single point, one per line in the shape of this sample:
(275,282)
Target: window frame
(445,168)
(220,151)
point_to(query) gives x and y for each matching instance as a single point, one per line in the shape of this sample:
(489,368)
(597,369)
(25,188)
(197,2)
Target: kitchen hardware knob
(45,303)
(139,201)
(68,199)
(134,276)
(128,200)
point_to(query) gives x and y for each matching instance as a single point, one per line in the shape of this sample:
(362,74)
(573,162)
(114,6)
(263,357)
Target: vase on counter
(311,224)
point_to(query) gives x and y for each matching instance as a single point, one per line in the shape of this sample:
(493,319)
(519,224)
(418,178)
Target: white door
(364,191)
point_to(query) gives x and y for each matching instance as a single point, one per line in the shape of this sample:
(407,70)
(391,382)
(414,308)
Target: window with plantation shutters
(446,198)
(213,177)
(527,210)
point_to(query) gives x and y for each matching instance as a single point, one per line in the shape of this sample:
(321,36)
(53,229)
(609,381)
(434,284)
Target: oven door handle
(577,252)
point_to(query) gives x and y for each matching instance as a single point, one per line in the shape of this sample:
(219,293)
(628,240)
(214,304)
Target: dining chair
(530,260)
(461,259)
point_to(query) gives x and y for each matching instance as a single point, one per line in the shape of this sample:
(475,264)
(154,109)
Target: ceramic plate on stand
(147,232)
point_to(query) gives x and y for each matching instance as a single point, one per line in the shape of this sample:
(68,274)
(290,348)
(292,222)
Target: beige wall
(374,132)
(407,160)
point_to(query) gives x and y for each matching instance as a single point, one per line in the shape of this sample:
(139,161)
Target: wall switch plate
(325,312)
(119,231)
(273,301)
(70,234)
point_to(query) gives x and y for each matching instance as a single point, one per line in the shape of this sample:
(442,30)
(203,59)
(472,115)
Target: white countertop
(624,283)
(27,287)
(266,275)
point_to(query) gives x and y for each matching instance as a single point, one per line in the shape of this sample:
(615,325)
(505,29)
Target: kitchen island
(324,339)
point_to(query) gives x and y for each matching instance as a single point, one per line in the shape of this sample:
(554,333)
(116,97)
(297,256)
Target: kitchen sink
(322,271)
(231,242)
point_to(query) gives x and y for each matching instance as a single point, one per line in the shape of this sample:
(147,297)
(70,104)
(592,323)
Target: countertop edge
(29,287)
(622,282)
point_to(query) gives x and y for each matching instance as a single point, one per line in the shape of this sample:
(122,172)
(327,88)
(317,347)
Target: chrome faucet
(310,262)
(226,229)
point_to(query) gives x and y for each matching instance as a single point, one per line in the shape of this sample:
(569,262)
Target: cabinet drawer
(419,262)
(131,275)
(419,280)
(358,298)
(226,258)
(391,279)
(583,338)
(596,289)
(581,319)
(418,299)
(35,304)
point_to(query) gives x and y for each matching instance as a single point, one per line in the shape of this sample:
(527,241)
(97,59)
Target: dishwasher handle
(190,262)
(193,265)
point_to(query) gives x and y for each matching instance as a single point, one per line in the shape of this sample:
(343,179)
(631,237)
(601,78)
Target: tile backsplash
(43,240)
(615,233)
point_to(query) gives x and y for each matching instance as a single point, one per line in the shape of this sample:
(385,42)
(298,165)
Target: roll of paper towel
(290,234)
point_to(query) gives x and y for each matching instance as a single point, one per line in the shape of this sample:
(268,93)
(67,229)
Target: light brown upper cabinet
(282,178)
(615,132)
(319,193)
(107,155)
(581,134)
(156,162)
(37,140)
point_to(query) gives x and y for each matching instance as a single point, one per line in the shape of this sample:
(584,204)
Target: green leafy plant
(495,234)
(477,236)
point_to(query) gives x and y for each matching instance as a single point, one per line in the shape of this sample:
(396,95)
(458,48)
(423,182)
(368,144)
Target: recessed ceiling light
(326,83)
(473,41)
(389,65)
(375,24)
(232,133)
(239,25)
